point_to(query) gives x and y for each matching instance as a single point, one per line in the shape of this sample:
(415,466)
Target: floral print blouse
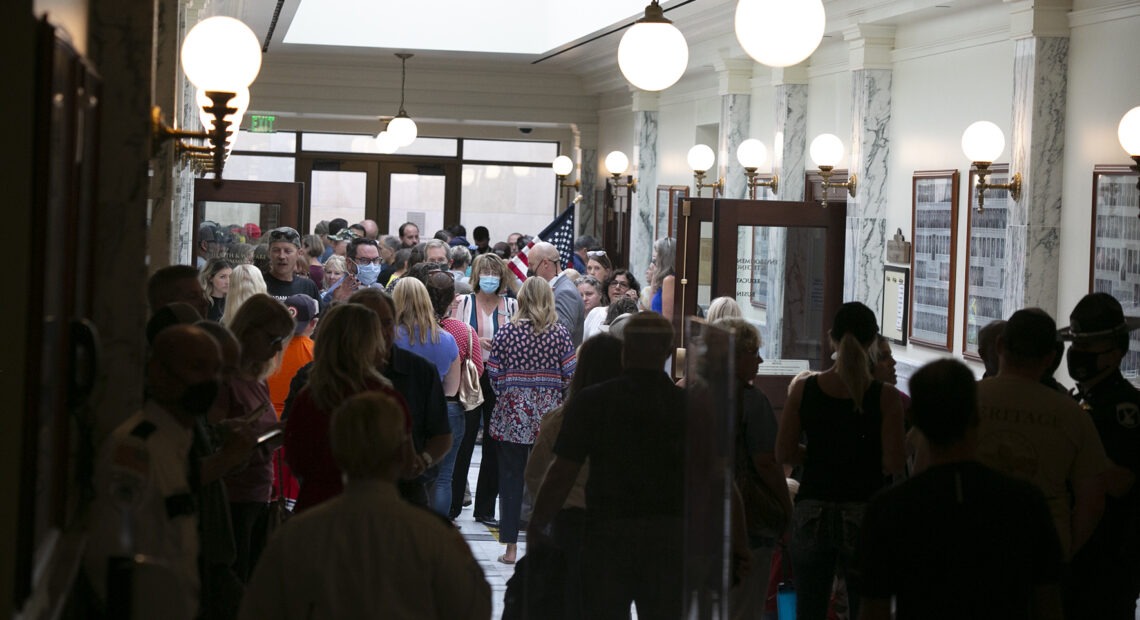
(529,373)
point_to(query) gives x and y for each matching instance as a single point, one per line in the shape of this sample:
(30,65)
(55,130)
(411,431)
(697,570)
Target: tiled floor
(485,544)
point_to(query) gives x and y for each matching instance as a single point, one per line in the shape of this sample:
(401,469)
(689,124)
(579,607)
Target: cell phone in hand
(269,435)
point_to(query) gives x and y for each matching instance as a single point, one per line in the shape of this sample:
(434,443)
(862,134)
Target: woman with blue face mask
(486,310)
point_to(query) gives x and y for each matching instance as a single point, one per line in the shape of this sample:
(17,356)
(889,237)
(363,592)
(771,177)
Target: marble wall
(589,210)
(1038,149)
(734,129)
(642,220)
(866,214)
(789,147)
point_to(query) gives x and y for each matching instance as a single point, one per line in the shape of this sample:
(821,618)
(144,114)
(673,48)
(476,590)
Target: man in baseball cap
(1106,573)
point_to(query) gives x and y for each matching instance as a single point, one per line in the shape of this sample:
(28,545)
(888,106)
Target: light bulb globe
(1129,132)
(983,141)
(701,158)
(826,150)
(562,165)
(385,143)
(617,162)
(751,153)
(780,33)
(221,54)
(403,130)
(653,55)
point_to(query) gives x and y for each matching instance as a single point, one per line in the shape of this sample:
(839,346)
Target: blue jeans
(512,462)
(824,538)
(441,492)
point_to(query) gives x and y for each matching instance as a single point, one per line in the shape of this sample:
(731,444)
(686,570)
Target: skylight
(491,26)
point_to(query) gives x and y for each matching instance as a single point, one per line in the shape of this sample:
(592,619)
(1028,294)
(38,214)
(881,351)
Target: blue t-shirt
(441,353)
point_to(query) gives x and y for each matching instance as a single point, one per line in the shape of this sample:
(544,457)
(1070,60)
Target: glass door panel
(417,198)
(338,193)
(243,211)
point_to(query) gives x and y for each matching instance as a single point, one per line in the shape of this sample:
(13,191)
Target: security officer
(1106,572)
(144,503)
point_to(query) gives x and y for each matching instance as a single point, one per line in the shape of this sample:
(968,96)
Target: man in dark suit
(546,263)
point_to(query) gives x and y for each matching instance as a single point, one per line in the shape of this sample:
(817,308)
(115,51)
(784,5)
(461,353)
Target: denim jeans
(824,538)
(441,492)
(512,462)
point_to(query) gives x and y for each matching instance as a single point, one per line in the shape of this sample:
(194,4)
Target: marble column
(122,36)
(1037,145)
(588,209)
(644,161)
(870,48)
(789,144)
(735,87)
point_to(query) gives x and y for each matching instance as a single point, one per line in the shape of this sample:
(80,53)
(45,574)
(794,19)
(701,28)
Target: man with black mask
(144,502)
(1106,572)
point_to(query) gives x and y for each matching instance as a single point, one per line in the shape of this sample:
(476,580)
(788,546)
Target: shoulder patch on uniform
(1128,415)
(143,429)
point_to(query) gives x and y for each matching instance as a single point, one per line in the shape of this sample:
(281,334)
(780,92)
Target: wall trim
(1102,14)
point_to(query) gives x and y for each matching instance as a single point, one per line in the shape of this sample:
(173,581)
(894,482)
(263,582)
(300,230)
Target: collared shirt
(392,560)
(144,505)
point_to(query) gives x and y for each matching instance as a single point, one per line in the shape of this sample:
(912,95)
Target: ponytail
(852,365)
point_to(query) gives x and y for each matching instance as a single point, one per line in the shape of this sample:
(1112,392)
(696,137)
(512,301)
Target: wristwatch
(428,461)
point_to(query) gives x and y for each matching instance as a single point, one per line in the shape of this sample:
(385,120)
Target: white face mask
(367,274)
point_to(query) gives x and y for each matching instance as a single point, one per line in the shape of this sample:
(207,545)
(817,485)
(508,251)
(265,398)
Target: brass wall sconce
(701,158)
(221,56)
(982,142)
(563,166)
(616,164)
(1128,132)
(826,151)
(751,154)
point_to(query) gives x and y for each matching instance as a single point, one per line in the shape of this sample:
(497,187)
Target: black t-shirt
(844,458)
(632,429)
(959,541)
(282,289)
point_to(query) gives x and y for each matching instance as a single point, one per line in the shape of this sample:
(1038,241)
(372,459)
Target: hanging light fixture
(780,33)
(653,54)
(402,129)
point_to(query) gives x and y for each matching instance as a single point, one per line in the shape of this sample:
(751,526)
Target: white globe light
(403,130)
(240,102)
(751,153)
(653,55)
(983,141)
(701,158)
(617,162)
(826,150)
(563,165)
(221,54)
(780,33)
(385,144)
(1129,132)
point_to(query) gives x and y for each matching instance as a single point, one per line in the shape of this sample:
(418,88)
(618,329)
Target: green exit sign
(262,123)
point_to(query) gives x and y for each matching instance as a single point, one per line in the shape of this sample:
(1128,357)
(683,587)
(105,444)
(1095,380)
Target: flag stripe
(560,234)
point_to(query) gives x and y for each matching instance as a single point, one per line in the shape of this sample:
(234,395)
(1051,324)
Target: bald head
(544,259)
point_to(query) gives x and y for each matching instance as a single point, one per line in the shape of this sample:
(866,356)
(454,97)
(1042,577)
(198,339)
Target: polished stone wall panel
(643,220)
(734,129)
(789,147)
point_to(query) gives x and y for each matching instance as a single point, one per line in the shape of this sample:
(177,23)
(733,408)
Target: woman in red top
(345,360)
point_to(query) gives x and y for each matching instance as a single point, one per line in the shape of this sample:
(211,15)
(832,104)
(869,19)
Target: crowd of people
(312,414)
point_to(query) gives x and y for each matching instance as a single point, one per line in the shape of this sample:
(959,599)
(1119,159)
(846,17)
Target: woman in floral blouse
(531,364)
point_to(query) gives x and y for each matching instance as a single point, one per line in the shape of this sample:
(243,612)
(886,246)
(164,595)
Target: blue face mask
(367,274)
(489,284)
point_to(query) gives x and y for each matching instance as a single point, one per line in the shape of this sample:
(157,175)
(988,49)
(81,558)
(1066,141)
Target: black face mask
(1083,364)
(197,398)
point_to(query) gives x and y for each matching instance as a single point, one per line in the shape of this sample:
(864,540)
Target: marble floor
(485,545)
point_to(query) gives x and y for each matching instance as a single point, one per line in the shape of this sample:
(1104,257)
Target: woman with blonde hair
(344,365)
(215,280)
(487,310)
(723,308)
(334,269)
(418,331)
(245,282)
(532,362)
(854,429)
(263,327)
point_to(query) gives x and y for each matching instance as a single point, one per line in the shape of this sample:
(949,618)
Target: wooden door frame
(306,164)
(289,195)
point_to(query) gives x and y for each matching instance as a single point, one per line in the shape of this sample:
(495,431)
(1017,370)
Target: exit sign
(262,123)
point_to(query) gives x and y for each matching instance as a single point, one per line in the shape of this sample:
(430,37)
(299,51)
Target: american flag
(560,233)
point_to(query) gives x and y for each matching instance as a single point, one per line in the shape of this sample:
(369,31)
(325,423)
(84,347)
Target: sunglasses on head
(284,233)
(595,253)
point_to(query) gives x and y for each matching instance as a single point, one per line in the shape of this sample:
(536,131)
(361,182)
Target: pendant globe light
(653,54)
(402,129)
(780,33)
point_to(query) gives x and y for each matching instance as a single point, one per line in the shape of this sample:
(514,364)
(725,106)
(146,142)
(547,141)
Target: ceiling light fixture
(751,154)
(982,142)
(653,54)
(401,129)
(826,151)
(780,33)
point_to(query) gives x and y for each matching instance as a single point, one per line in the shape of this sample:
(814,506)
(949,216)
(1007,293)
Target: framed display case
(1114,260)
(668,205)
(935,233)
(896,300)
(985,258)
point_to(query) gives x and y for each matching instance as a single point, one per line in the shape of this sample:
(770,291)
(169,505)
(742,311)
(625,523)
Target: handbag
(764,513)
(470,391)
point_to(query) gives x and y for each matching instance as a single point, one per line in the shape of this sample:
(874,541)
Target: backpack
(470,391)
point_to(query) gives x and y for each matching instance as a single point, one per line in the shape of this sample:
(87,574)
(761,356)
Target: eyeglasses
(366,261)
(619,284)
(284,233)
(595,253)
